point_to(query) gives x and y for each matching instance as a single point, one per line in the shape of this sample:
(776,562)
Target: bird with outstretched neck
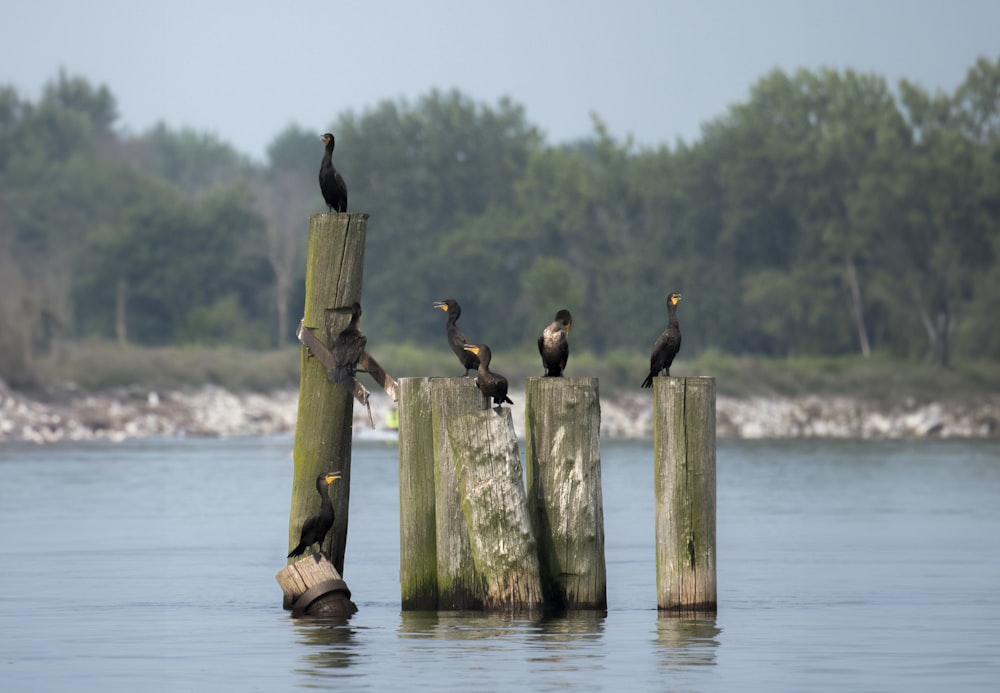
(456,338)
(553,344)
(347,350)
(315,528)
(331,183)
(668,344)
(492,385)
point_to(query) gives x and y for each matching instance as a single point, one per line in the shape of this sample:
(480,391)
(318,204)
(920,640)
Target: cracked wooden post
(465,539)
(684,444)
(334,269)
(495,509)
(562,450)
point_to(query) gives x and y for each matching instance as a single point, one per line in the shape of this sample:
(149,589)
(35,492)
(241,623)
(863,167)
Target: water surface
(841,566)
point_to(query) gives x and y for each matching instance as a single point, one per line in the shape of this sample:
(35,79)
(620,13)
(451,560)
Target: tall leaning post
(684,443)
(334,270)
(562,453)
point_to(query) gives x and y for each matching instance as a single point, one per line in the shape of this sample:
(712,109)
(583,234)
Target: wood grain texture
(565,499)
(495,511)
(684,476)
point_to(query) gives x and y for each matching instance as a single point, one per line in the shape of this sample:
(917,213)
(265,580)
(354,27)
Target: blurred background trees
(828,214)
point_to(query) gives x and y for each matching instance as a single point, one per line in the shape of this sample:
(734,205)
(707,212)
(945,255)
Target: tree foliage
(827,214)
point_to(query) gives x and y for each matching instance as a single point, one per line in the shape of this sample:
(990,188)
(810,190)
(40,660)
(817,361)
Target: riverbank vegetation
(101,366)
(830,231)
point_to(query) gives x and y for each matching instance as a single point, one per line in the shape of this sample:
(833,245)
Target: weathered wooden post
(436,569)
(562,427)
(313,587)
(684,443)
(495,507)
(456,461)
(417,526)
(334,269)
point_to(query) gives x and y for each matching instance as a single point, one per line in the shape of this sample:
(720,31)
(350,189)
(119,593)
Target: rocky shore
(215,412)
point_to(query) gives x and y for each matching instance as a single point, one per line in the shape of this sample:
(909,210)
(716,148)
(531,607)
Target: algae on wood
(334,269)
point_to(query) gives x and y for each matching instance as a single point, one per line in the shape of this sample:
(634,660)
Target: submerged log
(562,425)
(684,443)
(313,587)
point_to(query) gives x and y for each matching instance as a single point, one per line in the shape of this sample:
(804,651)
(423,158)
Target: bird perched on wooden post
(489,383)
(315,528)
(331,183)
(667,346)
(456,338)
(347,350)
(554,346)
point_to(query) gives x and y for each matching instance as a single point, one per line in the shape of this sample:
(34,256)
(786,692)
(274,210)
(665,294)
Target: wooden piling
(457,462)
(494,505)
(684,444)
(417,525)
(562,450)
(334,269)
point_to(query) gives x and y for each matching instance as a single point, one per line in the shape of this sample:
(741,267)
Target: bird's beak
(473,349)
(332,476)
(440,304)
(567,328)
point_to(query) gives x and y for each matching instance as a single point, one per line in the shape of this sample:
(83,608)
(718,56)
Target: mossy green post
(684,444)
(417,525)
(458,587)
(562,430)
(495,510)
(436,569)
(334,269)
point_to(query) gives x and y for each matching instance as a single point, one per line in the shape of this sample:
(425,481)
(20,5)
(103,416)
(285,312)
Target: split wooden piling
(684,444)
(458,465)
(334,273)
(562,449)
(495,509)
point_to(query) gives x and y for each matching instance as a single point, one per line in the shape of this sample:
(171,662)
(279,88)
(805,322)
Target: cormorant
(489,383)
(331,183)
(347,349)
(316,526)
(667,345)
(553,345)
(456,338)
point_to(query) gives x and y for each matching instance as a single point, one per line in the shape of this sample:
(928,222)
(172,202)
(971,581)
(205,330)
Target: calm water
(842,566)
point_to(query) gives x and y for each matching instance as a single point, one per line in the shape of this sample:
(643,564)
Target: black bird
(347,350)
(331,183)
(667,345)
(316,526)
(489,383)
(456,338)
(553,345)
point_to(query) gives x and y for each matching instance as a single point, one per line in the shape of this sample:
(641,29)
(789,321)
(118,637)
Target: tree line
(829,213)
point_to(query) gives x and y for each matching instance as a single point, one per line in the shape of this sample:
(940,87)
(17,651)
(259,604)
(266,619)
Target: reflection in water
(332,644)
(687,639)
(569,642)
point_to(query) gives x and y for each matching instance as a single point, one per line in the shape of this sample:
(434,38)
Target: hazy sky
(654,69)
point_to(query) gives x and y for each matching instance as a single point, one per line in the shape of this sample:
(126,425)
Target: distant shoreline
(215,412)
